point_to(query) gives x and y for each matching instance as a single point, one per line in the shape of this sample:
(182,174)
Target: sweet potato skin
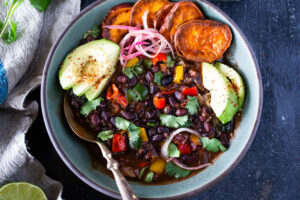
(202,40)
(181,12)
(118,15)
(141,6)
(160,16)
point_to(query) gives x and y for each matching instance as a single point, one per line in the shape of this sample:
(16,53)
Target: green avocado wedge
(236,81)
(224,100)
(88,68)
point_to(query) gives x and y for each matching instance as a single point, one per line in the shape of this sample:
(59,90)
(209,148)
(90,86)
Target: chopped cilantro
(149,177)
(130,72)
(170,62)
(90,105)
(157,77)
(105,135)
(142,172)
(147,63)
(192,106)
(173,121)
(138,92)
(177,172)
(173,151)
(95,32)
(213,144)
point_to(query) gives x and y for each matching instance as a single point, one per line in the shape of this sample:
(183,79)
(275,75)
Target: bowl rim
(111,193)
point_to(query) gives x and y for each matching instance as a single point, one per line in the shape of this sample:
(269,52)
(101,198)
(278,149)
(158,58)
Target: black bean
(181,112)
(207,126)
(167,80)
(132,82)
(168,110)
(162,130)
(179,95)
(205,134)
(159,95)
(155,69)
(152,132)
(151,113)
(128,115)
(103,103)
(153,88)
(112,120)
(157,138)
(182,87)
(122,79)
(172,101)
(144,82)
(206,110)
(139,107)
(95,119)
(149,76)
(105,115)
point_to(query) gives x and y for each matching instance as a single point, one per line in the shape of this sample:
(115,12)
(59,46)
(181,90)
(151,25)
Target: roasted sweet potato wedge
(181,12)
(160,16)
(202,40)
(118,15)
(143,5)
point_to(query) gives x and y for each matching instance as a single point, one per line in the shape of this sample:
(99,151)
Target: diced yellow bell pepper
(143,135)
(179,72)
(132,62)
(195,139)
(158,166)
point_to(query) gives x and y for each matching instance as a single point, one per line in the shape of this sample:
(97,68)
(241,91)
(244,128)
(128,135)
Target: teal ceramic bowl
(73,151)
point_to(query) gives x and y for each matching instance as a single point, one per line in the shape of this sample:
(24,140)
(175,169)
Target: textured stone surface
(271,168)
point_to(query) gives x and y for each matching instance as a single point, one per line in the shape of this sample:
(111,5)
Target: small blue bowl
(73,151)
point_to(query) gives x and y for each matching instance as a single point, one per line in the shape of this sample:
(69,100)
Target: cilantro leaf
(157,77)
(134,136)
(105,135)
(122,123)
(170,62)
(138,92)
(130,72)
(134,132)
(90,105)
(95,32)
(173,121)
(41,5)
(147,63)
(192,105)
(177,172)
(213,144)
(149,177)
(173,151)
(142,172)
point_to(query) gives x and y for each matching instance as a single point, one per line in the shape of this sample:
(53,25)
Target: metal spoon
(112,165)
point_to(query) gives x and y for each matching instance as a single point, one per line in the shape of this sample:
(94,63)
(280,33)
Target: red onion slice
(179,164)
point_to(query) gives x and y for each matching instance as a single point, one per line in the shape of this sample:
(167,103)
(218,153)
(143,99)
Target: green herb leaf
(147,63)
(12,33)
(177,172)
(95,32)
(173,151)
(173,121)
(137,93)
(122,123)
(90,105)
(170,62)
(213,144)
(105,135)
(130,72)
(41,5)
(134,139)
(192,105)
(157,77)
(142,172)
(149,177)
(151,123)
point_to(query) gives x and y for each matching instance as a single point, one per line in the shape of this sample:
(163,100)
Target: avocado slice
(88,67)
(236,81)
(224,100)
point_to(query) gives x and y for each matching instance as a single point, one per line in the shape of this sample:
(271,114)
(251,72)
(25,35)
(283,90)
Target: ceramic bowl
(73,151)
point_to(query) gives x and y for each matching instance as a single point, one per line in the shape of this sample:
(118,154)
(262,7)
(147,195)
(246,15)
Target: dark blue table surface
(271,168)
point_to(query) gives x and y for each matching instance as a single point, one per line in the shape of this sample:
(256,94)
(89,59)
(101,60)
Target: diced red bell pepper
(112,92)
(184,148)
(119,143)
(121,99)
(143,164)
(159,57)
(159,103)
(190,91)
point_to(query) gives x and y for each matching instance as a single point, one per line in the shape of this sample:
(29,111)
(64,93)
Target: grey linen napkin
(23,63)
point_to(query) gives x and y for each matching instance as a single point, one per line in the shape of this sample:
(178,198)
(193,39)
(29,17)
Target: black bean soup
(138,97)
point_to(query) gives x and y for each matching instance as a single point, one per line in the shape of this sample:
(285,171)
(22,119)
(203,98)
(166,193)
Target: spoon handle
(113,165)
